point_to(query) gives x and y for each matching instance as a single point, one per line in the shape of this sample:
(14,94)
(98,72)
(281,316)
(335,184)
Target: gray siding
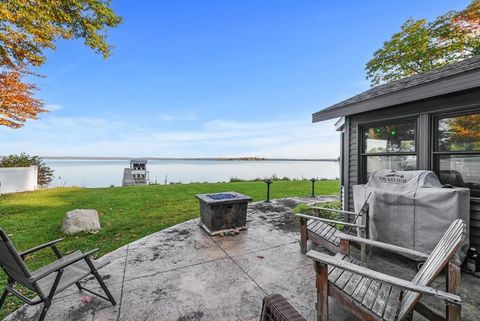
(353,163)
(423,111)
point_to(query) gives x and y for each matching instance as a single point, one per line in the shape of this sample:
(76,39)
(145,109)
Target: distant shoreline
(259,159)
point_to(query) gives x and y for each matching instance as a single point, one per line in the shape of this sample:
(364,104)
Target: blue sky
(212,78)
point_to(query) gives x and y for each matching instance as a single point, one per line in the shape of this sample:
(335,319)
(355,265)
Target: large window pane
(400,163)
(390,139)
(460,133)
(460,170)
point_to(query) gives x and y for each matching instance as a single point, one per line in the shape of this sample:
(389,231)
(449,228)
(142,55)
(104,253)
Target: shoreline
(247,159)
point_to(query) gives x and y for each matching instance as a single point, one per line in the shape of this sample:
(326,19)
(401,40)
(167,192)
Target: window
(457,150)
(389,146)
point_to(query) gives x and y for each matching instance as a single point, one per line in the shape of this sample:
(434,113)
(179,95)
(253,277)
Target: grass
(126,214)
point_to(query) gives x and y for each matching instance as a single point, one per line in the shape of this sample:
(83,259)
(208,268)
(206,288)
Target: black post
(313,180)
(268,181)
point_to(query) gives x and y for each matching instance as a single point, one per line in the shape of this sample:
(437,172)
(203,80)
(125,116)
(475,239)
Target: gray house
(427,121)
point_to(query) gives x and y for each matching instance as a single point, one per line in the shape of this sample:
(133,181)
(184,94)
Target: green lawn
(126,213)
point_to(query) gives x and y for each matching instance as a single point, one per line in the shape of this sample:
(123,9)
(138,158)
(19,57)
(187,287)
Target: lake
(104,173)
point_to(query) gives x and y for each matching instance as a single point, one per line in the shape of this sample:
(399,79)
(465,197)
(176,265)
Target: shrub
(307,209)
(45,173)
(303,209)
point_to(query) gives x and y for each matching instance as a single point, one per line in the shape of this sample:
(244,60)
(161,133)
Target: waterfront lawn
(126,213)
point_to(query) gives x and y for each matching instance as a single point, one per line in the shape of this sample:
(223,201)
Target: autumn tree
(17,101)
(422,46)
(27,29)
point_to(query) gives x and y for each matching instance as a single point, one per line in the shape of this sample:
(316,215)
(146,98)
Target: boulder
(79,220)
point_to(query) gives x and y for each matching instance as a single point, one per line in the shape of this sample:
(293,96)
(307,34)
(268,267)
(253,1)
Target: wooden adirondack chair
(372,295)
(323,232)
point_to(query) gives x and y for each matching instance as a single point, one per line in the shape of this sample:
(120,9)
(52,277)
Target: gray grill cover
(412,209)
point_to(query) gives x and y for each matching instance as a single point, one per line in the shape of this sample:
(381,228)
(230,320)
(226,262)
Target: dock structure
(136,174)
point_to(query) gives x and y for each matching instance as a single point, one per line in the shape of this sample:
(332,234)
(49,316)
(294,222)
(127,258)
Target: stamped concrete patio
(183,274)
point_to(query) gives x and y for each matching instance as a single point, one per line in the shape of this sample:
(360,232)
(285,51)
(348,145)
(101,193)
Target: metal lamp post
(268,181)
(313,180)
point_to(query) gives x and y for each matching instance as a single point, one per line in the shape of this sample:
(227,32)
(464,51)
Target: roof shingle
(412,81)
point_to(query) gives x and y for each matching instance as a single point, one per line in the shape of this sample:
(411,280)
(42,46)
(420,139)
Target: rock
(80,220)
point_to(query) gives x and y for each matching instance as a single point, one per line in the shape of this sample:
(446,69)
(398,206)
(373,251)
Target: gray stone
(79,220)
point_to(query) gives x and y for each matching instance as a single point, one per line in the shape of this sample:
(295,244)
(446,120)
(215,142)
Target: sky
(212,78)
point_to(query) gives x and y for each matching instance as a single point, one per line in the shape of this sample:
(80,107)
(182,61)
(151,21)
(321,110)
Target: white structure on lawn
(137,174)
(18,179)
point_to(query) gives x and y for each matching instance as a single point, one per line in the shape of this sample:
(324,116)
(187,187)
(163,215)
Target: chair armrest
(394,281)
(328,221)
(40,247)
(60,264)
(334,210)
(385,246)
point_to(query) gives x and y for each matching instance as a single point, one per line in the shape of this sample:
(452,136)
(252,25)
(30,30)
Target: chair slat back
(12,263)
(440,256)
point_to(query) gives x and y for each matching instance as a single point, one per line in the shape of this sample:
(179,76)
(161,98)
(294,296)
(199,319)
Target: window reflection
(399,163)
(458,151)
(461,133)
(390,139)
(460,170)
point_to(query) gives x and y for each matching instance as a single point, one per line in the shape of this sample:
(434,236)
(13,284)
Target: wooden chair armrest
(40,247)
(394,281)
(334,210)
(328,220)
(385,246)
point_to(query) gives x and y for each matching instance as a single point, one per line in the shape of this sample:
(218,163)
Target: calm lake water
(103,173)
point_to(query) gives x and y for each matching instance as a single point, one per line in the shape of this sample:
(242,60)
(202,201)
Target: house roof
(454,77)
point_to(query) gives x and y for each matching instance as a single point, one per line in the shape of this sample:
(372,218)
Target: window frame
(436,153)
(387,122)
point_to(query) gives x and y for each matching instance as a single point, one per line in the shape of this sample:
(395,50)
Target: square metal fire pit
(222,212)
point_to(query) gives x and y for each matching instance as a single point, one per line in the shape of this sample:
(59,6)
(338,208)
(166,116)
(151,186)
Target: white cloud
(167,117)
(96,136)
(53,107)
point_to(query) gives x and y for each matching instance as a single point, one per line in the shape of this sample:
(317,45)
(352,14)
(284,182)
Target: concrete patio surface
(183,274)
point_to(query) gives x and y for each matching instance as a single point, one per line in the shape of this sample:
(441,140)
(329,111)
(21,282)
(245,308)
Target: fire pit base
(223,212)
(223,232)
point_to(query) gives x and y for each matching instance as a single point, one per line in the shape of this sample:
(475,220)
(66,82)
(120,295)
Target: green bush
(303,209)
(307,209)
(331,215)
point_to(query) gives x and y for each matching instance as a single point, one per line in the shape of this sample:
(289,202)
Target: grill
(412,209)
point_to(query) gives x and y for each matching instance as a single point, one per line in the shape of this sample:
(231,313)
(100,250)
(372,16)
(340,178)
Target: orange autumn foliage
(466,129)
(17,101)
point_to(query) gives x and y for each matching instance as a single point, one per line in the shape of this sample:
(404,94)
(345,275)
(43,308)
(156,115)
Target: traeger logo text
(393,179)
